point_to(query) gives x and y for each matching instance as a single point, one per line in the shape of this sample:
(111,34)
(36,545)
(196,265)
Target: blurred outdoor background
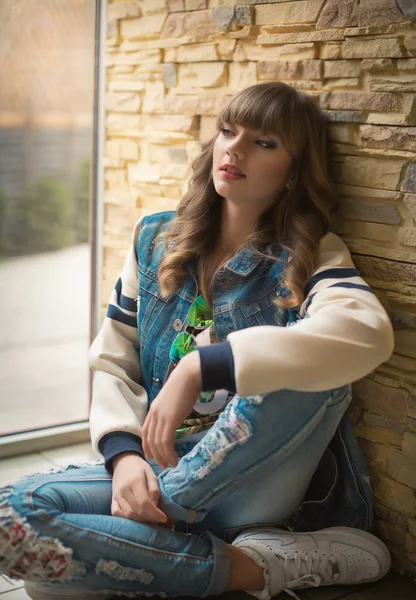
(46,117)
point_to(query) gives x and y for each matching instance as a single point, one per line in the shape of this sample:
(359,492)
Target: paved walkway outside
(44,329)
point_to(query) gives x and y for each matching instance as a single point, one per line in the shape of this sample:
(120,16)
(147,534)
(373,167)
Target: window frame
(71,433)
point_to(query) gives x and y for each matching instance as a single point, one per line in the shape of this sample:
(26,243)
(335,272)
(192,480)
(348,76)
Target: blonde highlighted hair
(298,219)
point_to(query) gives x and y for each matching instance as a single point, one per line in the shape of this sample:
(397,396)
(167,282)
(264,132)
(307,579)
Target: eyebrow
(256,131)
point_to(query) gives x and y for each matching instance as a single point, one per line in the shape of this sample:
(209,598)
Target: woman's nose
(236,148)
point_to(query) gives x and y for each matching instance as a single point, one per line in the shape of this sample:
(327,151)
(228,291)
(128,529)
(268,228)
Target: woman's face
(261,159)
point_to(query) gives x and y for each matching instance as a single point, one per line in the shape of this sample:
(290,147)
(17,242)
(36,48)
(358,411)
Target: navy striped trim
(124,301)
(338,273)
(117,315)
(349,284)
(345,284)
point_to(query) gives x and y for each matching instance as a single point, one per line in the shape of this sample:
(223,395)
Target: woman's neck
(235,227)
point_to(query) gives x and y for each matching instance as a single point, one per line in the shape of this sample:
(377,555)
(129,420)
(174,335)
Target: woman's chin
(226,188)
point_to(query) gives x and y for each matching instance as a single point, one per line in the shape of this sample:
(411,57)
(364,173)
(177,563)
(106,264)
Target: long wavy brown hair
(298,219)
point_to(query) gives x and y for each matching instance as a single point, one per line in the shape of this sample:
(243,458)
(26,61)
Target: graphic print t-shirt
(210,404)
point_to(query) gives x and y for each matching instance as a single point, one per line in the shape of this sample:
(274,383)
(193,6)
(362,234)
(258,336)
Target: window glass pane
(46,116)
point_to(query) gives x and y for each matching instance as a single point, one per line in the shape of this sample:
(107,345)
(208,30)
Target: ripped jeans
(252,467)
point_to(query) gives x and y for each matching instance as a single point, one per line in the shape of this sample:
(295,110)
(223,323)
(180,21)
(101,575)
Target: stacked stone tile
(170,66)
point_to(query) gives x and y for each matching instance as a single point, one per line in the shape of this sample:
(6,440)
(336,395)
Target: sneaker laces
(305,569)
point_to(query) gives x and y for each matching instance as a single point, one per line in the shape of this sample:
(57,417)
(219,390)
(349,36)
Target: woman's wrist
(191,366)
(117,458)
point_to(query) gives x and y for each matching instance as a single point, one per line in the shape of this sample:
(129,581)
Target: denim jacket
(340,491)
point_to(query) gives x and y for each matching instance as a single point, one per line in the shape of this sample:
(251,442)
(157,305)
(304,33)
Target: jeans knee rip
(113,569)
(26,555)
(231,429)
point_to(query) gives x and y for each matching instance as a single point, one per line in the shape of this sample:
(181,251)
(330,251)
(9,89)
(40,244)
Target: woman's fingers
(167,443)
(144,511)
(147,509)
(115,507)
(149,429)
(152,485)
(145,437)
(135,490)
(156,444)
(158,439)
(125,510)
(137,496)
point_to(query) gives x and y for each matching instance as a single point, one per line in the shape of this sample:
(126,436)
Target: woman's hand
(135,490)
(169,409)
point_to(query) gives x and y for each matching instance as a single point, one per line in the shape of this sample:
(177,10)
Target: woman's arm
(343,334)
(119,402)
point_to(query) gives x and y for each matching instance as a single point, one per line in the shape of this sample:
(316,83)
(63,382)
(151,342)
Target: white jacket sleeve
(342,335)
(119,402)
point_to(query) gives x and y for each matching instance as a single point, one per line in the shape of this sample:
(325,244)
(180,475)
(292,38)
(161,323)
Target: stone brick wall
(171,64)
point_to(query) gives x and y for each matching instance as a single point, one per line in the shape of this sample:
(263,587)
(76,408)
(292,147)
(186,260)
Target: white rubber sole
(38,591)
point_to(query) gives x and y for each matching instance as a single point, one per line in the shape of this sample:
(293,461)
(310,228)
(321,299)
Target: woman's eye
(264,144)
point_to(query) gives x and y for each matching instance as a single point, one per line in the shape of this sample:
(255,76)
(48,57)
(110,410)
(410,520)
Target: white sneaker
(38,591)
(334,556)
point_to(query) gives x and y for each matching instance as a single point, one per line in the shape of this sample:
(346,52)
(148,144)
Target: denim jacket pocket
(262,310)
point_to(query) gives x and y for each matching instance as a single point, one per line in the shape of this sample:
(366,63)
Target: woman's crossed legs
(253,466)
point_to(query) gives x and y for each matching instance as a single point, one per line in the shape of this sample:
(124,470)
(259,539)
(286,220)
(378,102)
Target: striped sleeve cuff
(217,367)
(121,308)
(116,442)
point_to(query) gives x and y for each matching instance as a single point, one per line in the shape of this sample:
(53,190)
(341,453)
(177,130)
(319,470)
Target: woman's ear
(291,182)
(294,173)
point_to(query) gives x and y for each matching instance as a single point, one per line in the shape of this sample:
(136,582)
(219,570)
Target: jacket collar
(243,263)
(247,259)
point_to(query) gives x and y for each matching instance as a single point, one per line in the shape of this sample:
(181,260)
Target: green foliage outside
(4,217)
(82,195)
(51,215)
(50,212)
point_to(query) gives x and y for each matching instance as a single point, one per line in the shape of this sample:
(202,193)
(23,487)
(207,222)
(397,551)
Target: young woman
(222,375)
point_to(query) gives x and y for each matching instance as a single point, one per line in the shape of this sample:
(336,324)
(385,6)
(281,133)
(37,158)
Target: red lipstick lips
(231,172)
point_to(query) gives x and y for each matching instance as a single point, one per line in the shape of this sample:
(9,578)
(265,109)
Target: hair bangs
(271,109)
